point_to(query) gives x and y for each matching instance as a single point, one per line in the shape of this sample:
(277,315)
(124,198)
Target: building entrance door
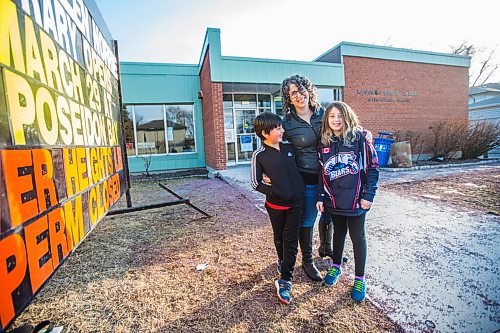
(240,110)
(246,140)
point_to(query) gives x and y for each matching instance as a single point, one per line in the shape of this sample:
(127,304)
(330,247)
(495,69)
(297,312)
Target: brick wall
(441,94)
(213,119)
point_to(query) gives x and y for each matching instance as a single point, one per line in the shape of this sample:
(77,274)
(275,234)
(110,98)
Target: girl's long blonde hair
(351,124)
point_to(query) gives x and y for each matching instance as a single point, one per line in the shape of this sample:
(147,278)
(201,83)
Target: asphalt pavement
(431,268)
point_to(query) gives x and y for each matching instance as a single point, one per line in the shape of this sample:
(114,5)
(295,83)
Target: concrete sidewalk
(430,268)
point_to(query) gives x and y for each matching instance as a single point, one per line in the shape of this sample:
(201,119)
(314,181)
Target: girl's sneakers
(284,289)
(358,291)
(332,276)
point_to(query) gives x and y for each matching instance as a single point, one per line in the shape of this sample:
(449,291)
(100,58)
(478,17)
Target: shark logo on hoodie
(340,165)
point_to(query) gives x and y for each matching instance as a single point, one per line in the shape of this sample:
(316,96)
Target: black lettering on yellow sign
(59,87)
(49,118)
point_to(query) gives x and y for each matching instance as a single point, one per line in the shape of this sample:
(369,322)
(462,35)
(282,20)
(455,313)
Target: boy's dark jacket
(349,173)
(287,186)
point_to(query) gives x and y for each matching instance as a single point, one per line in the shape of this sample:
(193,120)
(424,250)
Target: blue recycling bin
(383,147)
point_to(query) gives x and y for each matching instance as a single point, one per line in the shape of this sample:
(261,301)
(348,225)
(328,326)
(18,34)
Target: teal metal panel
(254,70)
(150,89)
(157,68)
(212,44)
(159,83)
(398,54)
(166,162)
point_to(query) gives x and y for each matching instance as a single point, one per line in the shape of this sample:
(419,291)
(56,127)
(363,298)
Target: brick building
(186,116)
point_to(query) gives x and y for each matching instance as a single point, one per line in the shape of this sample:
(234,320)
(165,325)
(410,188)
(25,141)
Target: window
(228,111)
(159,129)
(244,101)
(278,105)
(337,94)
(264,103)
(150,129)
(128,128)
(227,101)
(180,128)
(328,95)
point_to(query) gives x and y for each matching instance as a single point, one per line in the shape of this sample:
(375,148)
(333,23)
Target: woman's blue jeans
(309,212)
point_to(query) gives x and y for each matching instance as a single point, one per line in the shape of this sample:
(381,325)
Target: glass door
(246,139)
(229,131)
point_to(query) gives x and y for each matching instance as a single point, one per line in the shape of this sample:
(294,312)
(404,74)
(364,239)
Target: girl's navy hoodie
(349,173)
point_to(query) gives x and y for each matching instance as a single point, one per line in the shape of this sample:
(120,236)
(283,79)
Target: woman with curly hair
(302,123)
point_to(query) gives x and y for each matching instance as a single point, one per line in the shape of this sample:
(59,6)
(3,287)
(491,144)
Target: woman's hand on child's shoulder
(365,204)
(368,136)
(320,206)
(266,180)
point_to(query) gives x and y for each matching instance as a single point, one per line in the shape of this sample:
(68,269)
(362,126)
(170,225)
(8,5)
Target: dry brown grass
(136,273)
(477,190)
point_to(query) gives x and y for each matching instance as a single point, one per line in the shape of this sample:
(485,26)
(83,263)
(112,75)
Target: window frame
(164,110)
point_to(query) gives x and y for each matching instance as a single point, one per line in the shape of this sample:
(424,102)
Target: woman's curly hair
(302,83)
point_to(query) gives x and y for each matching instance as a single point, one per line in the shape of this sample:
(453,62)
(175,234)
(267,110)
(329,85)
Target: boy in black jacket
(283,196)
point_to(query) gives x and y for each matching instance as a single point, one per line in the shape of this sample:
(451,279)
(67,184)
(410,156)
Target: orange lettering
(118,158)
(83,172)
(109,160)
(100,205)
(19,185)
(73,213)
(44,173)
(58,236)
(93,209)
(94,165)
(71,171)
(114,190)
(37,247)
(102,155)
(12,253)
(105,195)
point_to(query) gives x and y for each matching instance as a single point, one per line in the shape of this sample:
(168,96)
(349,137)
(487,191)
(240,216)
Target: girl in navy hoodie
(348,183)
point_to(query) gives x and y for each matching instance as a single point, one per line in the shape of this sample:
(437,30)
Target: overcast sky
(173,30)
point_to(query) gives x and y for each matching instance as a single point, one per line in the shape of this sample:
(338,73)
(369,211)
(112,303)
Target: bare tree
(147,164)
(486,70)
(481,137)
(487,65)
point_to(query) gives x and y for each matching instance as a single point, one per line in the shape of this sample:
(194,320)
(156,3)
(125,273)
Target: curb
(439,166)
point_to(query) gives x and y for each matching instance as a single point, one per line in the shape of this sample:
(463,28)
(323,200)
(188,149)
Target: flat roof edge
(398,54)
(484,106)
(310,63)
(165,64)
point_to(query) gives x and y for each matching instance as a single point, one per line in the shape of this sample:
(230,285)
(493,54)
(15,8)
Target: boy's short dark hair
(266,121)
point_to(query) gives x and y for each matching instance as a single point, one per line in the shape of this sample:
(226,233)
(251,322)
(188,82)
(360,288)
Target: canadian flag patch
(326,150)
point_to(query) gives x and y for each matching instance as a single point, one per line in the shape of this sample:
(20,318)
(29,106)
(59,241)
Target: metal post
(181,198)
(123,145)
